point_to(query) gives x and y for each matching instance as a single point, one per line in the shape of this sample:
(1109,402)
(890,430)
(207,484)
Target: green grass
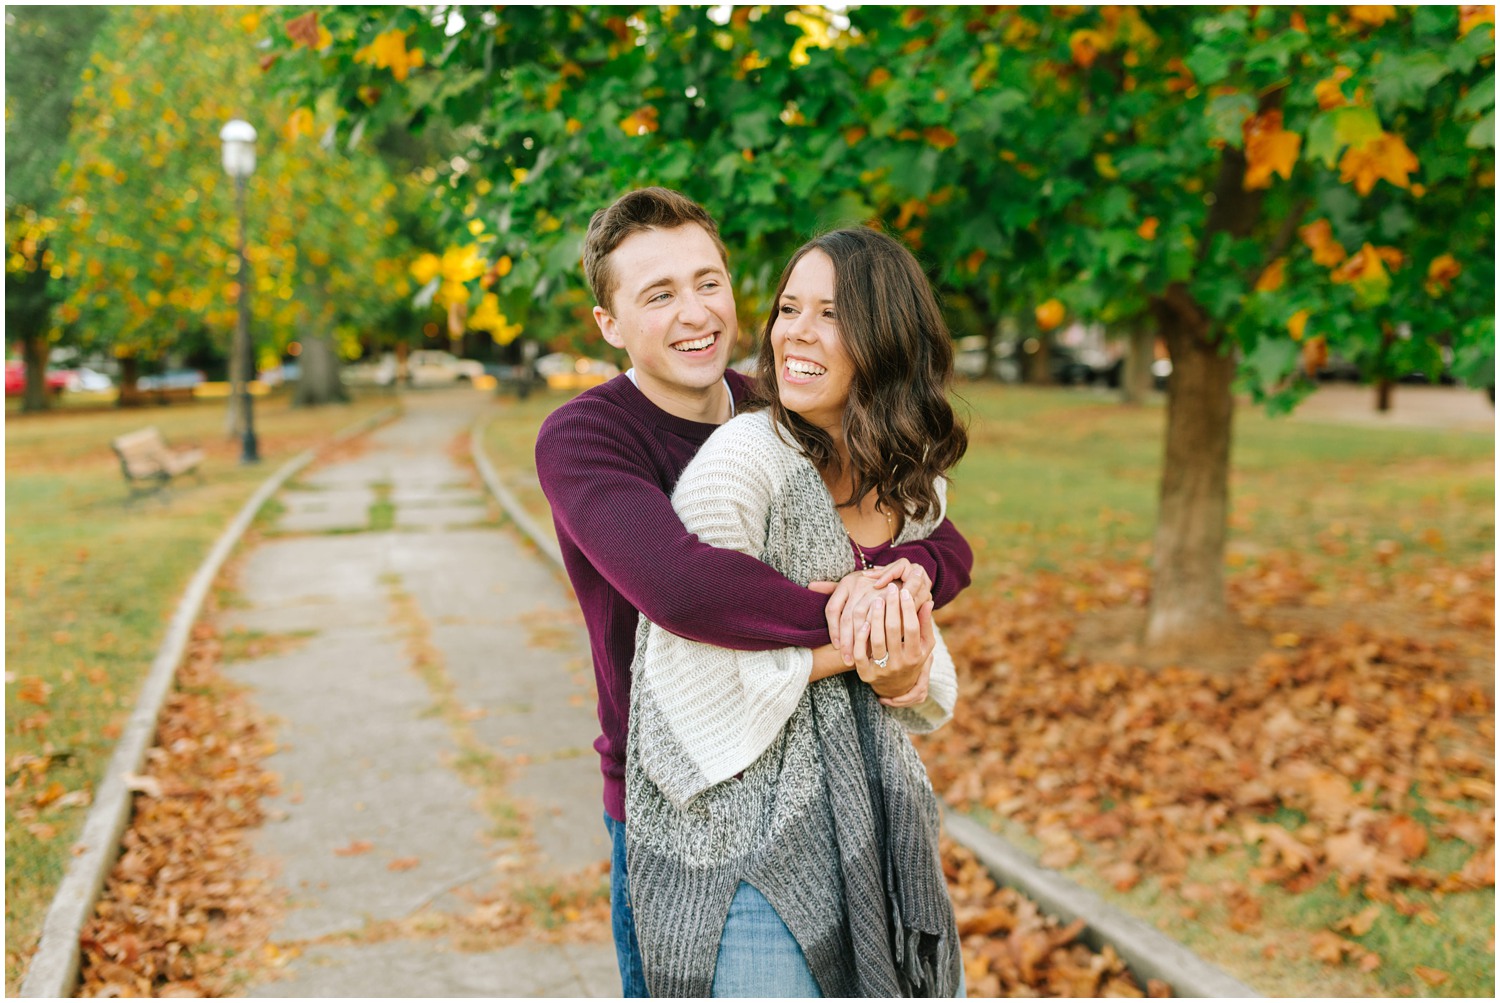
(1055,477)
(1052,475)
(89,587)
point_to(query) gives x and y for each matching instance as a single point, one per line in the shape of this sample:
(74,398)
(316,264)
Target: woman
(783,833)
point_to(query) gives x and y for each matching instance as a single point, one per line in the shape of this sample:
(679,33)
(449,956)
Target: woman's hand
(917,695)
(850,598)
(891,649)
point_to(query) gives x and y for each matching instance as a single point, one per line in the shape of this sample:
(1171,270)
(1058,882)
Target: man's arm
(948,558)
(604,495)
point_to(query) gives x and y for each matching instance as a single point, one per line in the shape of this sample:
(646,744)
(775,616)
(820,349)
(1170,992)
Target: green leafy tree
(1265,185)
(148,235)
(45,47)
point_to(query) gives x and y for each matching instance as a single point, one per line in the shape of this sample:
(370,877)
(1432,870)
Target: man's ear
(607,327)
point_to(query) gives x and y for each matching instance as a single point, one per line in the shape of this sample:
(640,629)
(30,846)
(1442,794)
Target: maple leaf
(1330,91)
(640,121)
(1297,323)
(1385,156)
(1085,46)
(1269,149)
(1471,16)
(388,52)
(940,137)
(1273,278)
(303,30)
(1147,229)
(1361,922)
(1318,235)
(354,849)
(1371,15)
(1441,272)
(1431,976)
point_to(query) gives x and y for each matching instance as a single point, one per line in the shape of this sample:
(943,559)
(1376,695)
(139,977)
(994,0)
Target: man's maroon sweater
(608,461)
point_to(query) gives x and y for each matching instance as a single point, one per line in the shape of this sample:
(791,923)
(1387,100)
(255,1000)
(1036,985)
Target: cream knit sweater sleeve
(723,707)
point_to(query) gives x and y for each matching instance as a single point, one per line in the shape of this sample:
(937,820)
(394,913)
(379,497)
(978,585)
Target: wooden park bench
(149,464)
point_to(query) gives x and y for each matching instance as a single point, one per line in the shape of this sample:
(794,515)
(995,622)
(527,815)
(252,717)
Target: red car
(15,379)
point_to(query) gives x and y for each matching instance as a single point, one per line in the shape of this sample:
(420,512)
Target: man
(609,459)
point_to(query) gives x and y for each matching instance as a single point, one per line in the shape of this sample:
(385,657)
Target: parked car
(87,380)
(287,372)
(172,379)
(15,379)
(425,367)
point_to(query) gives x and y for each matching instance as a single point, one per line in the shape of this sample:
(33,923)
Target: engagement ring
(880,662)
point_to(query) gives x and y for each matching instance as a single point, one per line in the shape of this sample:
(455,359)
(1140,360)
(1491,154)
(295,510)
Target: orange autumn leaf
(940,137)
(1297,324)
(1269,149)
(1318,236)
(878,76)
(1314,354)
(354,849)
(640,121)
(854,134)
(1371,15)
(1431,976)
(1441,272)
(975,259)
(1273,278)
(1363,265)
(1330,92)
(303,30)
(1384,157)
(1147,229)
(1050,314)
(1085,46)
(910,209)
(1472,16)
(389,52)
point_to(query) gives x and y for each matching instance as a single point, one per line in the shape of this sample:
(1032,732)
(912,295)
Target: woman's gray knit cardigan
(738,770)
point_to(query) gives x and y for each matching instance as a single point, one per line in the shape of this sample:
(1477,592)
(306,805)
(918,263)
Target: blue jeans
(627,949)
(758,956)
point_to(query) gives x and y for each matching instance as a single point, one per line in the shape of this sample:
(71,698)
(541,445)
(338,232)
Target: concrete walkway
(434,706)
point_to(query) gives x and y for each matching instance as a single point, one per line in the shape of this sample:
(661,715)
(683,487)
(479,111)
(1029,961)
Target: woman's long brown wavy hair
(900,428)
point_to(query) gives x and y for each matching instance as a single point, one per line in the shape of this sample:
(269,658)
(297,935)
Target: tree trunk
(34,351)
(1384,385)
(321,382)
(1040,361)
(1188,605)
(1135,377)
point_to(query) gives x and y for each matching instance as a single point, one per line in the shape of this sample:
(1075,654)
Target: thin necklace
(864,560)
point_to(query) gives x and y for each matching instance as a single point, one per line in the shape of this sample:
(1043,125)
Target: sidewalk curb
(1149,953)
(53,971)
(509,502)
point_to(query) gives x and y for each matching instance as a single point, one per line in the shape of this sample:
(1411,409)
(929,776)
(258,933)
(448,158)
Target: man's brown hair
(642,209)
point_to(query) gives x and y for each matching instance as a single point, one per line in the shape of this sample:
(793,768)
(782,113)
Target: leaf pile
(1367,742)
(1012,949)
(186,898)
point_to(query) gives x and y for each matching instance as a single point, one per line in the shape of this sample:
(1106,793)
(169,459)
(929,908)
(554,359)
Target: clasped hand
(885,614)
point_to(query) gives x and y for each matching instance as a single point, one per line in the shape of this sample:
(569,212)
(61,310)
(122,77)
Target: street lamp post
(238,138)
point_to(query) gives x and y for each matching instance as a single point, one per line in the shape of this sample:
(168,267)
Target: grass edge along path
(49,952)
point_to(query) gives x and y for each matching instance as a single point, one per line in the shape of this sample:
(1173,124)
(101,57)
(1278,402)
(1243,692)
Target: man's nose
(694,310)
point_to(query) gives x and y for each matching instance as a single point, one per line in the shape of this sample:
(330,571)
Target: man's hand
(892,650)
(851,598)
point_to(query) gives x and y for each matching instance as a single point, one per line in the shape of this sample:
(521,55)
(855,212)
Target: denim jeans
(627,949)
(758,956)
